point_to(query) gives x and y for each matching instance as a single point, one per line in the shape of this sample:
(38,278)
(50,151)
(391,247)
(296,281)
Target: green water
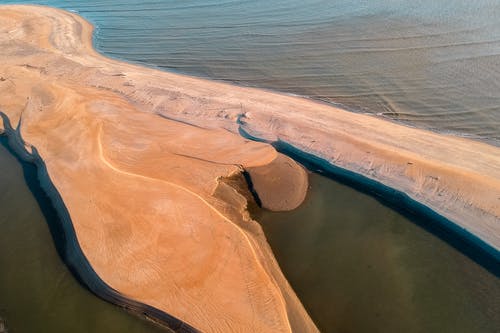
(359,266)
(37,291)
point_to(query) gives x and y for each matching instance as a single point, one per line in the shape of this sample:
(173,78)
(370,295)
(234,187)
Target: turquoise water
(428,63)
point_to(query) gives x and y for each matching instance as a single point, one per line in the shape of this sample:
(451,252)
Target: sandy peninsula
(152,169)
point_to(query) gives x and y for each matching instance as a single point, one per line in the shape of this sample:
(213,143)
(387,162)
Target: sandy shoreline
(155,203)
(456,177)
(157,207)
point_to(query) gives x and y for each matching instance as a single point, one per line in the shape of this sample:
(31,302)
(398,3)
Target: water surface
(37,291)
(359,266)
(428,63)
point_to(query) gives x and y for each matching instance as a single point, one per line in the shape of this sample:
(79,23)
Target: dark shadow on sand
(63,234)
(422,216)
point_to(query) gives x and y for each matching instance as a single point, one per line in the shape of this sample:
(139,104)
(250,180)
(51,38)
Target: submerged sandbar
(147,164)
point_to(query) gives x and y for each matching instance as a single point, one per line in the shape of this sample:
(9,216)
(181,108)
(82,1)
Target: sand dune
(150,167)
(158,206)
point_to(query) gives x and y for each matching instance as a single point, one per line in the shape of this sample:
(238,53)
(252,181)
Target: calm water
(359,266)
(37,291)
(429,63)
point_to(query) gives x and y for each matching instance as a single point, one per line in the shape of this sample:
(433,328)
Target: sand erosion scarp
(148,164)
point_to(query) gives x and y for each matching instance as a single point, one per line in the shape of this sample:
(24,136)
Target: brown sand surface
(145,162)
(150,198)
(276,190)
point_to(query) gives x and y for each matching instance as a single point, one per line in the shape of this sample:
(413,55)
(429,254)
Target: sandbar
(151,168)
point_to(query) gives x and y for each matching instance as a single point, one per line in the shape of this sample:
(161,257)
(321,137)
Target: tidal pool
(37,291)
(360,266)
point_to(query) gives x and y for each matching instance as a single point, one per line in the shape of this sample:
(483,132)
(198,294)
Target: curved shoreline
(101,90)
(396,199)
(303,126)
(480,251)
(146,196)
(467,210)
(73,255)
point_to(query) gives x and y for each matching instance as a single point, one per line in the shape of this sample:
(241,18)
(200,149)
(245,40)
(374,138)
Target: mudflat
(150,166)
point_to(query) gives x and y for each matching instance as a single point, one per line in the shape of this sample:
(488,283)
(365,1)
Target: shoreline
(158,207)
(71,252)
(471,207)
(472,246)
(327,102)
(244,85)
(394,198)
(207,106)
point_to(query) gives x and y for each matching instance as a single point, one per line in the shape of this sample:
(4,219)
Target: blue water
(428,63)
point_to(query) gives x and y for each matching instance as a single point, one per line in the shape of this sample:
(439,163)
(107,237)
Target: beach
(150,167)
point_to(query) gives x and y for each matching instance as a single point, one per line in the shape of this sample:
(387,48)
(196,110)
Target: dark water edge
(356,310)
(487,270)
(462,240)
(447,230)
(379,261)
(66,245)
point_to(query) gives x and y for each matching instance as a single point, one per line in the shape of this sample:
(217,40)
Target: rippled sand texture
(432,63)
(158,207)
(38,292)
(153,200)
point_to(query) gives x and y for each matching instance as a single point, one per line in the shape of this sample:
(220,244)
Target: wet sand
(141,161)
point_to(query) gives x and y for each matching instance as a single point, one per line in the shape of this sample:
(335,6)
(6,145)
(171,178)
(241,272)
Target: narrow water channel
(37,291)
(359,266)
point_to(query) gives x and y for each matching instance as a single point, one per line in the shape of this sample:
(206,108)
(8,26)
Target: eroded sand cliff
(148,165)
(158,206)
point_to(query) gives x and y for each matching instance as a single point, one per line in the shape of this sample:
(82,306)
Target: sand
(150,166)
(148,197)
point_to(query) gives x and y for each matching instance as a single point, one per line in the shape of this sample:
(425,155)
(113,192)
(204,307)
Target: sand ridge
(456,177)
(147,196)
(128,132)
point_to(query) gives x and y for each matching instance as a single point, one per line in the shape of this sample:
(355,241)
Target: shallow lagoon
(360,266)
(357,265)
(38,293)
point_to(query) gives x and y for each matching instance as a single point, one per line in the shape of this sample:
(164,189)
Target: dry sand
(148,164)
(148,197)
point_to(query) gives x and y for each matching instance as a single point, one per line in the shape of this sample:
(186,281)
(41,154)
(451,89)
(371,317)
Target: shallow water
(37,291)
(359,266)
(428,63)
